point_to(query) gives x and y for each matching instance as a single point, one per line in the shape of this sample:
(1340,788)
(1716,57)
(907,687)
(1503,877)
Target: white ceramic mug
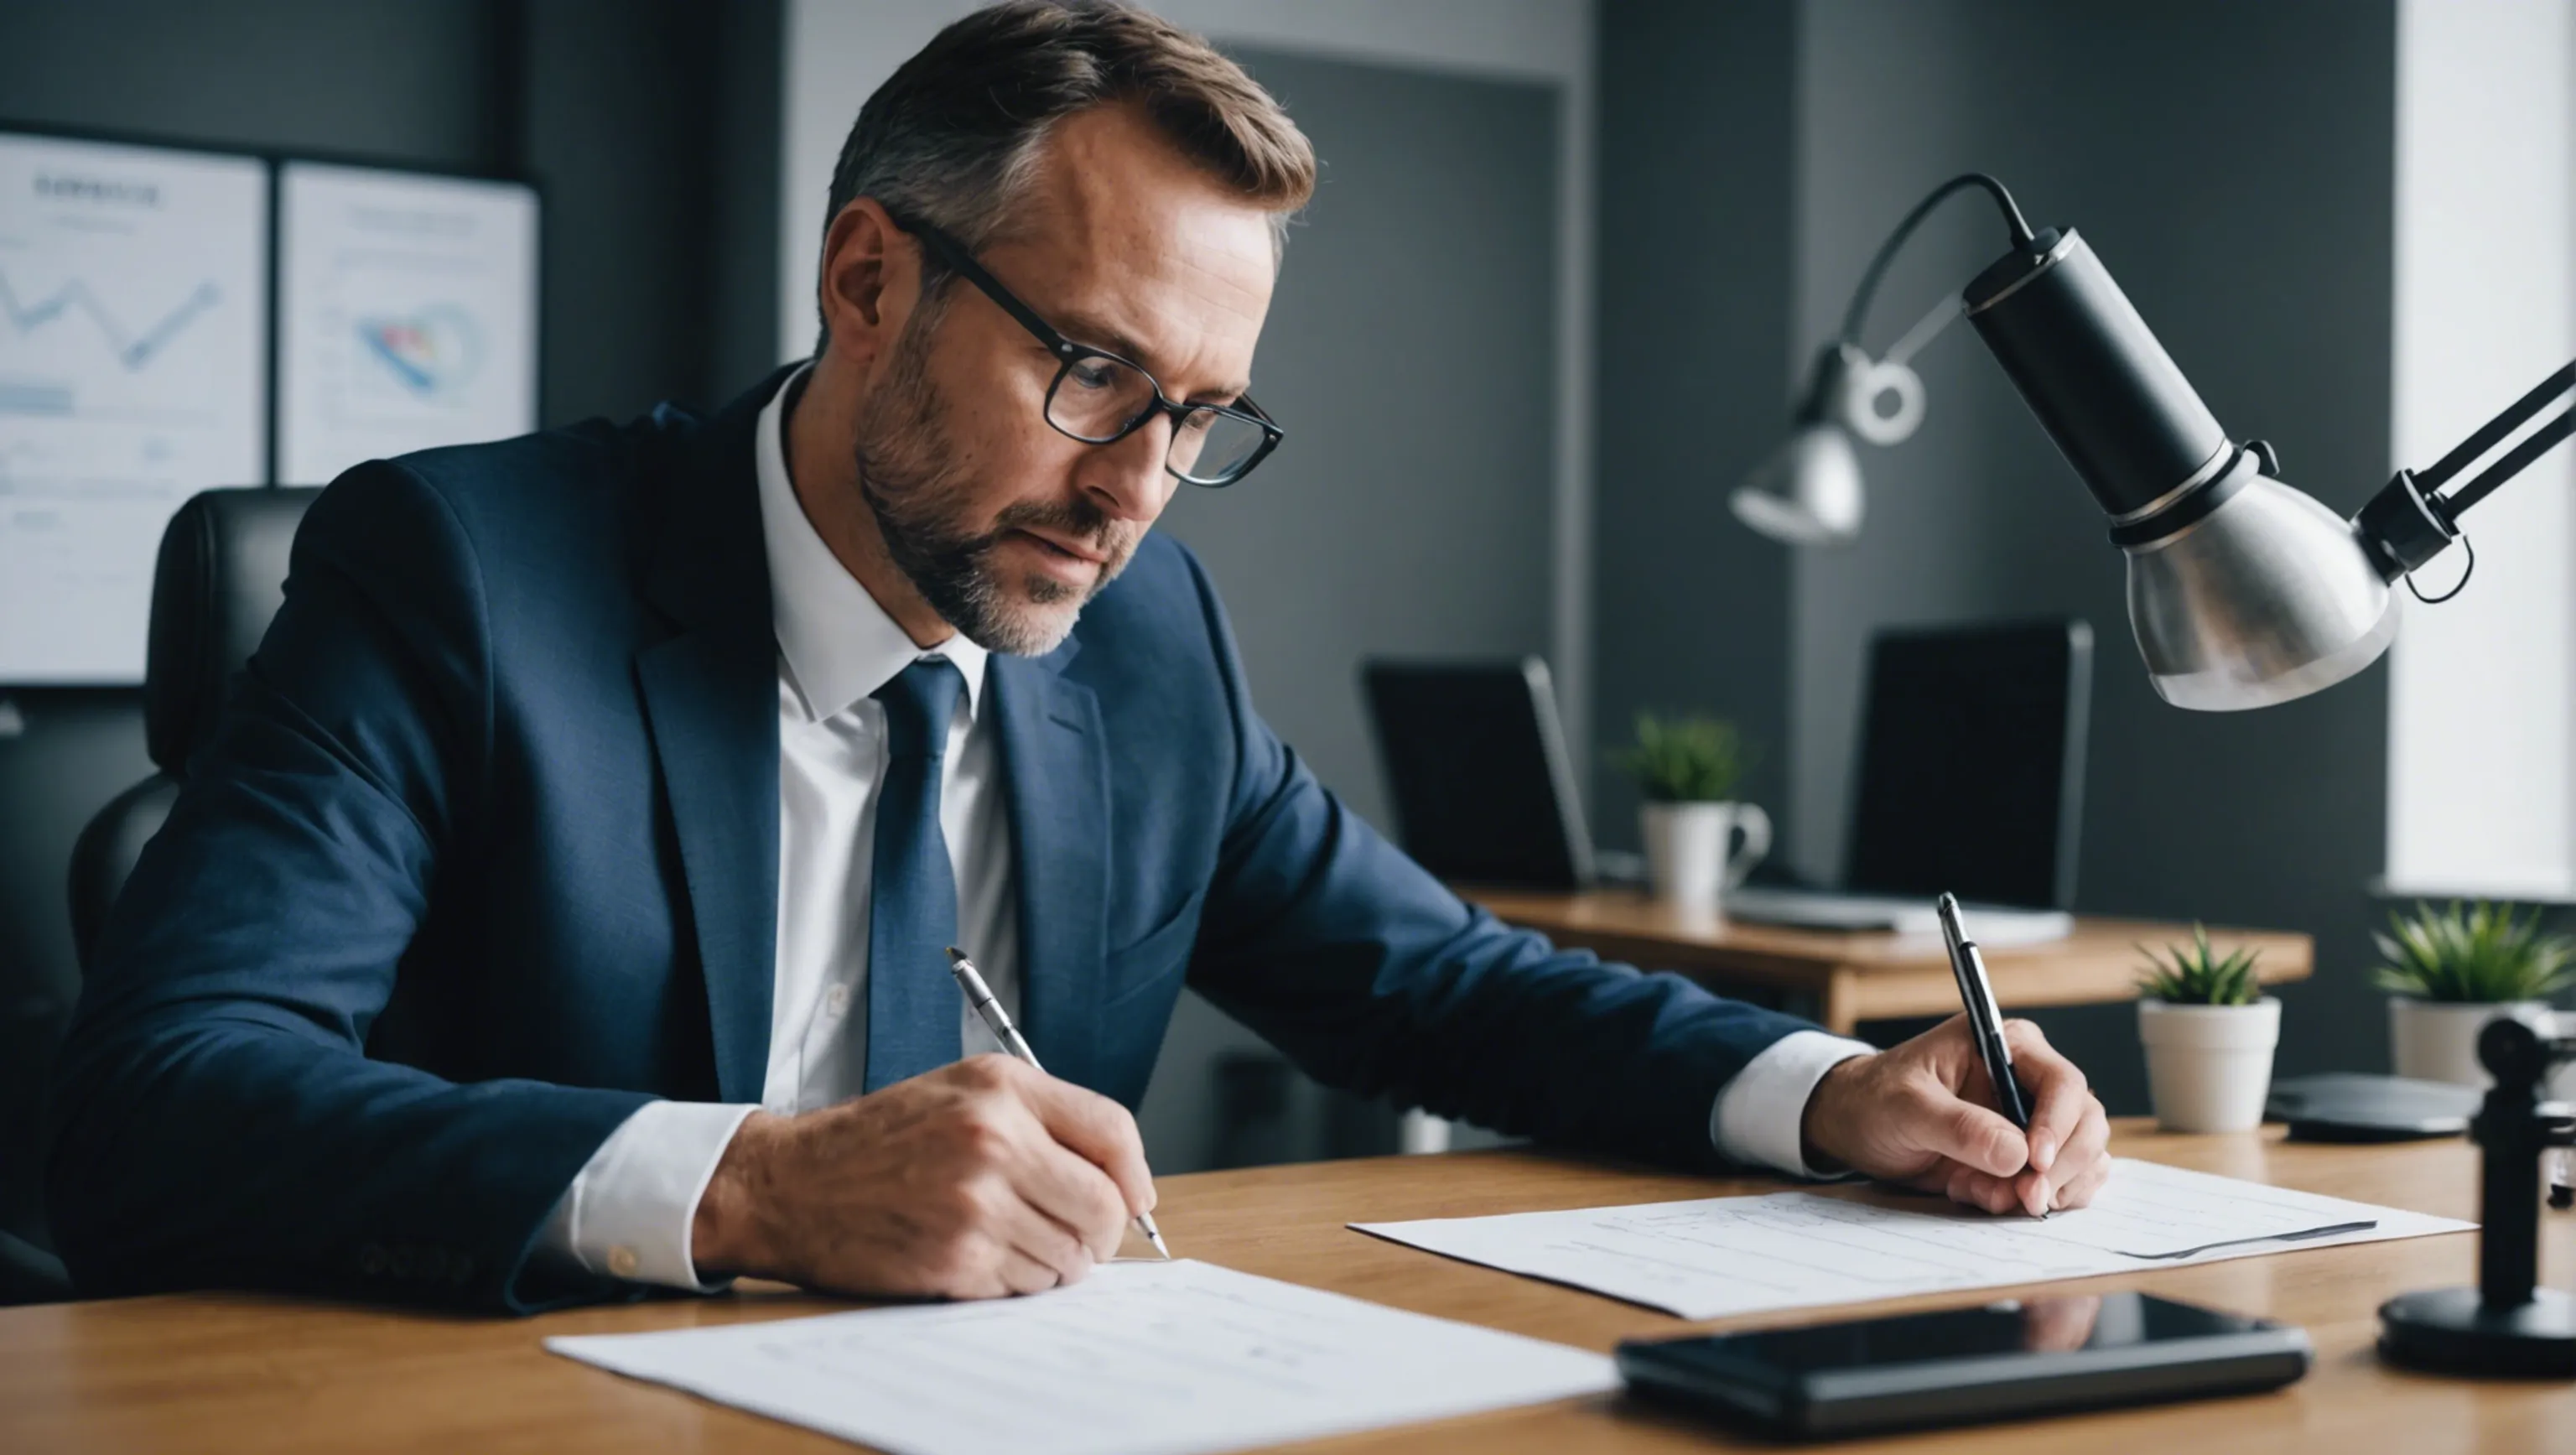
(1686,849)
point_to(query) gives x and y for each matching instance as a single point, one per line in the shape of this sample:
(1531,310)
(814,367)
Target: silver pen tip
(955,955)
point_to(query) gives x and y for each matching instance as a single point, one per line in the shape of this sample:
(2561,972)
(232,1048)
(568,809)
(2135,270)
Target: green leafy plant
(2481,953)
(2197,975)
(1685,759)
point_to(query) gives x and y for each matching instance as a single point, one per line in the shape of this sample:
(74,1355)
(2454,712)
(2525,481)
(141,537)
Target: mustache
(1078,520)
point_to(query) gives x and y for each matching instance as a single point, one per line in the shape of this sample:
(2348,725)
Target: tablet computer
(1958,1366)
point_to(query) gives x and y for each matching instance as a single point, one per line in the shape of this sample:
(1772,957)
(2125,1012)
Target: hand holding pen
(1914,1114)
(979,995)
(981,1178)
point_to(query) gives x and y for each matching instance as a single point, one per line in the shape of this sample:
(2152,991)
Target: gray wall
(394,79)
(1410,355)
(2232,165)
(1694,328)
(653,128)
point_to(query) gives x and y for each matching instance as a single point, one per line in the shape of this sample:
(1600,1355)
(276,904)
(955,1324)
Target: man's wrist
(724,1231)
(1823,1119)
(1760,1114)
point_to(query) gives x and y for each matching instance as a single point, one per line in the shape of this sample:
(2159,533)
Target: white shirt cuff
(628,1212)
(1760,1117)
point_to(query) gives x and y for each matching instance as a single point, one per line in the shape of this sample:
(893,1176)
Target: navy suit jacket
(485,855)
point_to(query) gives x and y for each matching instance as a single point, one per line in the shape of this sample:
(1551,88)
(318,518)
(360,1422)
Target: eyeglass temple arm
(957,260)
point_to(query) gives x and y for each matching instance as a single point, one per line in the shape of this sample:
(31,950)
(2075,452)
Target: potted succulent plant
(2209,1031)
(1688,768)
(2452,970)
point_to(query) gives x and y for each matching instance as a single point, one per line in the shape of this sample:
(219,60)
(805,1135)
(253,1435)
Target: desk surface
(242,1373)
(1853,976)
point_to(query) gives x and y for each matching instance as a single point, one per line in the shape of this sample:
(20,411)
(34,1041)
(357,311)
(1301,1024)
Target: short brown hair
(952,136)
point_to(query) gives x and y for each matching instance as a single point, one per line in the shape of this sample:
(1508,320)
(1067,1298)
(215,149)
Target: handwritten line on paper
(1149,1357)
(1717,1257)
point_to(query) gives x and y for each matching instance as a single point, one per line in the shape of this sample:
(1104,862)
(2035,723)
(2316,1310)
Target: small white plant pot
(2209,1066)
(1686,849)
(2437,1040)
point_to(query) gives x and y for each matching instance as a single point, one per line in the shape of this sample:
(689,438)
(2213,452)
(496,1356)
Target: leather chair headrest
(220,578)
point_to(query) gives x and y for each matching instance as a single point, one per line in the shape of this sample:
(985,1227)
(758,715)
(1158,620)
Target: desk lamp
(2243,592)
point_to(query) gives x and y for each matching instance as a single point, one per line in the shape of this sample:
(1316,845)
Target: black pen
(1985,1018)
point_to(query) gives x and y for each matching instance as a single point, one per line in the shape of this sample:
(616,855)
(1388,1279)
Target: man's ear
(871,276)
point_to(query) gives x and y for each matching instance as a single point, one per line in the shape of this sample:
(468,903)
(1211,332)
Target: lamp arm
(2539,443)
(2409,522)
(1857,315)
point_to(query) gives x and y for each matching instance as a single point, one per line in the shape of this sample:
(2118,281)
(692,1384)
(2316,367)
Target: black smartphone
(1960,1366)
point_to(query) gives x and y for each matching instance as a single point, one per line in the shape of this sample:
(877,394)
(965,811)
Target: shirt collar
(840,646)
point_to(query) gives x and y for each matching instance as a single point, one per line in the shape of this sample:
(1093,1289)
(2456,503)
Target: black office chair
(220,577)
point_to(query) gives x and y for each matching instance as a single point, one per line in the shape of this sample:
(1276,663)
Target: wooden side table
(1842,978)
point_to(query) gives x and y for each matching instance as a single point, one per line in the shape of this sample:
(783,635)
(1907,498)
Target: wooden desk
(1842,979)
(240,1373)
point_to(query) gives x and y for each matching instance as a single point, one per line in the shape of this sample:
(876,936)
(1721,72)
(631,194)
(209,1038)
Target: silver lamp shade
(2270,596)
(1808,493)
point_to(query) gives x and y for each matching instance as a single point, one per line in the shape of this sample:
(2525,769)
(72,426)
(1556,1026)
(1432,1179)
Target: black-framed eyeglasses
(1100,398)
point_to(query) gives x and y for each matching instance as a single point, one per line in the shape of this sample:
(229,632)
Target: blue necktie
(913,1003)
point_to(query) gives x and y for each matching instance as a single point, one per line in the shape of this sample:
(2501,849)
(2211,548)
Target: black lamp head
(2243,592)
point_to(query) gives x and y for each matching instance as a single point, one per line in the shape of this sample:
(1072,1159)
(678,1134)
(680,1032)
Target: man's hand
(982,1178)
(1922,1114)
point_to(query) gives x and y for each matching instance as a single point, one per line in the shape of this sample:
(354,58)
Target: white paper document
(1722,1256)
(1140,1359)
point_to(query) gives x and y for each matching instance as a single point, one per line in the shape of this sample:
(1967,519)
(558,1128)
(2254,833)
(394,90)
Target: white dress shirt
(628,1212)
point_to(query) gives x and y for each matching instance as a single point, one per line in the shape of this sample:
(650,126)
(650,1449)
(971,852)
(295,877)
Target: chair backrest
(220,577)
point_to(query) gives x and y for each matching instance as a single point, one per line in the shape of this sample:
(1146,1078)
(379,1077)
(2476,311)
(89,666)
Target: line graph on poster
(133,350)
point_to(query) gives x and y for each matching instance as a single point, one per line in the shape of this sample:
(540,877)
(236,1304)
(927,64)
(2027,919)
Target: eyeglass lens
(1096,398)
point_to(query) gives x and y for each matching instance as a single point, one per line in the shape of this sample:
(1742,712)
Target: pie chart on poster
(407,307)
(433,353)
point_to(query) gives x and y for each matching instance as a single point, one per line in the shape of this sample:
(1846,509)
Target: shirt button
(622,1261)
(837,1000)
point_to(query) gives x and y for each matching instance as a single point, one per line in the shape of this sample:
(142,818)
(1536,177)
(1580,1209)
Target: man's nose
(1125,478)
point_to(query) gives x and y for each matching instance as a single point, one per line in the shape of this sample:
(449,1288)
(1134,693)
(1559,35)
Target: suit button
(622,1261)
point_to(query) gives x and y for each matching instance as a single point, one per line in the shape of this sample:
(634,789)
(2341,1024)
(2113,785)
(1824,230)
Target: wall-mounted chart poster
(133,373)
(407,315)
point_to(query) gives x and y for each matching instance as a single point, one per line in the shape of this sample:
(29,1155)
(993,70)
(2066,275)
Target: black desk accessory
(1960,1366)
(2507,1324)
(2343,1106)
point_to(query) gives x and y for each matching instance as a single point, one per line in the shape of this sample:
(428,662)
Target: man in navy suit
(560,908)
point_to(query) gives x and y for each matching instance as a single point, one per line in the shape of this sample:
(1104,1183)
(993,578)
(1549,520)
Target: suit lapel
(1056,768)
(711,697)
(710,694)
